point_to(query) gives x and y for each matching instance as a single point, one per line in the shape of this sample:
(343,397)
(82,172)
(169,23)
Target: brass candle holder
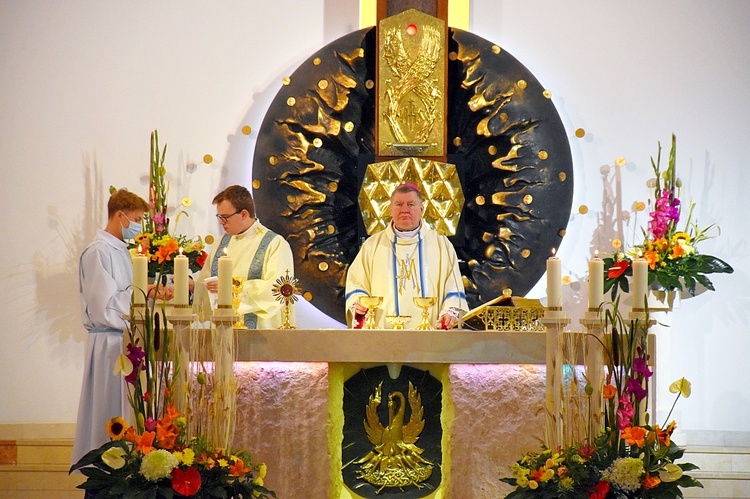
(237,286)
(425,303)
(372,303)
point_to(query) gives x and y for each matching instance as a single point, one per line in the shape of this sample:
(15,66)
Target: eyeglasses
(224,218)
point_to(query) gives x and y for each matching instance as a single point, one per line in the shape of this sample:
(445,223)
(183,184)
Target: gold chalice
(425,302)
(237,285)
(372,303)
(398,321)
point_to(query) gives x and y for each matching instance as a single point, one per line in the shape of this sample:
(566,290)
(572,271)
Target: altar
(291,387)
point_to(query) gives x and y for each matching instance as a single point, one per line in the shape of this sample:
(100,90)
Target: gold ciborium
(398,321)
(425,302)
(237,285)
(372,303)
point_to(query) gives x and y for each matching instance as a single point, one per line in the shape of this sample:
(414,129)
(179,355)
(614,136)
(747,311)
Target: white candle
(225,280)
(181,291)
(640,283)
(140,277)
(554,282)
(596,282)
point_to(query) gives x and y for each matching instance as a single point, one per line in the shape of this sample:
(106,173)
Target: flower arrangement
(158,463)
(155,241)
(671,252)
(156,457)
(629,458)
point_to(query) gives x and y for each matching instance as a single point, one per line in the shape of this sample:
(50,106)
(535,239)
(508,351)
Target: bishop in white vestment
(406,260)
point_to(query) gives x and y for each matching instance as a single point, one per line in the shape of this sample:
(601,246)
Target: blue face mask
(131,230)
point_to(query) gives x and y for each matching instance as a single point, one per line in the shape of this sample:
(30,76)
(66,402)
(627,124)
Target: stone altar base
(288,416)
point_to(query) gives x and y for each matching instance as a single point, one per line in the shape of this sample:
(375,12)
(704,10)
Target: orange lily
(145,443)
(634,435)
(609,391)
(165,252)
(238,468)
(652,257)
(649,482)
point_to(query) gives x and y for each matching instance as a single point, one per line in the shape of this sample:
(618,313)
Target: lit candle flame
(554,250)
(596,254)
(181,250)
(226,252)
(140,249)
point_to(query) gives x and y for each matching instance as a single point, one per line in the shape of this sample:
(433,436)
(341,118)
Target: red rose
(186,482)
(617,269)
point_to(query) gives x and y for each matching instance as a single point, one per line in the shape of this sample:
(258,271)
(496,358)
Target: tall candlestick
(554,283)
(596,282)
(640,283)
(181,279)
(140,277)
(225,280)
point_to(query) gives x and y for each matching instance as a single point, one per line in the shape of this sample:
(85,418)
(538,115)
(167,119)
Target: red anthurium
(186,482)
(617,269)
(600,491)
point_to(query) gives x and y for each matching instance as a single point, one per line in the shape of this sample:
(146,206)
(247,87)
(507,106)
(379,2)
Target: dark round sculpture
(505,137)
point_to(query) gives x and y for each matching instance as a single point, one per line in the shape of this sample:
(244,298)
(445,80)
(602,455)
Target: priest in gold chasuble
(408,259)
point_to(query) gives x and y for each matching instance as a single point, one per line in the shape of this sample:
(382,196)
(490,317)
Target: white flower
(625,473)
(158,464)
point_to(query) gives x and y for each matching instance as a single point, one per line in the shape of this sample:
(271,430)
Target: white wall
(82,84)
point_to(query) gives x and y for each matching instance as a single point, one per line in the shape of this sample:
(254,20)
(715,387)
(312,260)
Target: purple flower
(640,366)
(135,355)
(636,388)
(666,211)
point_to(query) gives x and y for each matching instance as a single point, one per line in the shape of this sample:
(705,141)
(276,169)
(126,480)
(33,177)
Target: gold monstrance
(286,291)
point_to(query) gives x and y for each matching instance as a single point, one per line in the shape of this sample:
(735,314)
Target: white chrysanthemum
(158,464)
(625,473)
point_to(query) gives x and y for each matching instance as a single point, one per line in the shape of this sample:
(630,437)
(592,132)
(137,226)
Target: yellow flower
(116,428)
(223,463)
(682,386)
(566,483)
(123,365)
(112,457)
(670,473)
(186,457)
(684,236)
(533,485)
(522,481)
(262,469)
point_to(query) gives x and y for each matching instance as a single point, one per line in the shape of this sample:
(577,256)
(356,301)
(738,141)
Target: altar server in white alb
(259,256)
(105,283)
(405,260)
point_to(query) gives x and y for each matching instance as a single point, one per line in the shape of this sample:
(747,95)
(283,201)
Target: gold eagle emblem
(395,460)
